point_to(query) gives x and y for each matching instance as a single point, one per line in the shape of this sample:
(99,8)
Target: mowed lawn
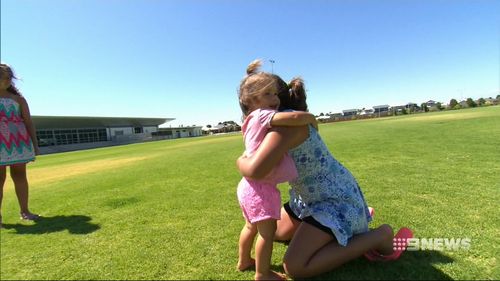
(168,209)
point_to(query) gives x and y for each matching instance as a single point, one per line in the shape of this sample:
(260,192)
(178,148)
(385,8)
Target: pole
(272,66)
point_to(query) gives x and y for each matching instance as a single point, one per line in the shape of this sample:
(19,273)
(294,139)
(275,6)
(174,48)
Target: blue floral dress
(327,191)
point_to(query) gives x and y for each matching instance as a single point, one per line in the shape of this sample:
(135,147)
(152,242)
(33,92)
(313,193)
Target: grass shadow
(75,224)
(413,265)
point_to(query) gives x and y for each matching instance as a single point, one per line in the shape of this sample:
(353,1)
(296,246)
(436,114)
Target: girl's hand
(315,125)
(37,151)
(241,158)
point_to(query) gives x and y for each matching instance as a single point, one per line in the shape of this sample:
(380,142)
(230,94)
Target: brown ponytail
(252,84)
(296,96)
(254,66)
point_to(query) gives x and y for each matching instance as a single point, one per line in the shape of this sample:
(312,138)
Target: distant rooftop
(67,122)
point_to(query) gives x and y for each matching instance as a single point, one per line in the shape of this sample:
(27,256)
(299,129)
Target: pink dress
(261,199)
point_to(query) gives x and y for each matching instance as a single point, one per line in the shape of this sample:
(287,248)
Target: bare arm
(25,113)
(294,118)
(276,143)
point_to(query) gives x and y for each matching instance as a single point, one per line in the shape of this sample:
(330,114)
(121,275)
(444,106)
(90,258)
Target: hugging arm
(294,118)
(276,143)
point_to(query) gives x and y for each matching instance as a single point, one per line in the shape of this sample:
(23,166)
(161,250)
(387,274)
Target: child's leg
(264,251)
(18,174)
(3,172)
(247,237)
(313,251)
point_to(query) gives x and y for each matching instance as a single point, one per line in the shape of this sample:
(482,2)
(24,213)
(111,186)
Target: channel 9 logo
(435,244)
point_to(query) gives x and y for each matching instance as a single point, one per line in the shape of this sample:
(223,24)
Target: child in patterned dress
(18,142)
(260,200)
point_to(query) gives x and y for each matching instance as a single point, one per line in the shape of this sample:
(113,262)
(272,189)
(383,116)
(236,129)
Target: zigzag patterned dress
(15,142)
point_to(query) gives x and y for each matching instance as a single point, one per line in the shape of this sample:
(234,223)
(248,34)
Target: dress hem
(17,162)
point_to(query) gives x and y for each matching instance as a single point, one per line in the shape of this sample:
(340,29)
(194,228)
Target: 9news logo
(435,244)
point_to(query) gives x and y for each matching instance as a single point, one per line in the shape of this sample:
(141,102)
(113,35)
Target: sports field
(168,209)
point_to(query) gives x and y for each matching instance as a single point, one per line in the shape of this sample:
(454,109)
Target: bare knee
(267,229)
(294,267)
(294,271)
(250,228)
(18,172)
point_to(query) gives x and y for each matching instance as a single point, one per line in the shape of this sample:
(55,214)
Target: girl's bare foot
(387,233)
(246,265)
(272,275)
(384,253)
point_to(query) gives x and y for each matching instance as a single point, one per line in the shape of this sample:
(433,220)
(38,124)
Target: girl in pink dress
(260,200)
(18,143)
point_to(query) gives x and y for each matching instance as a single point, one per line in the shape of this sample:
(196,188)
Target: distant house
(381,108)
(398,108)
(463,104)
(334,115)
(323,118)
(366,112)
(411,107)
(491,101)
(350,112)
(431,103)
(214,129)
(222,127)
(179,132)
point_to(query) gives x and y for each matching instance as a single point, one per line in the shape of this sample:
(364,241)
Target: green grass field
(168,209)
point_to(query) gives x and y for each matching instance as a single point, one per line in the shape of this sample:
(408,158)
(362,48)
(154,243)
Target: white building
(179,132)
(67,133)
(381,108)
(350,112)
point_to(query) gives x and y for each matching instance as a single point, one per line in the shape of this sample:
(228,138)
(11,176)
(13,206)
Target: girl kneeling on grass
(327,216)
(260,200)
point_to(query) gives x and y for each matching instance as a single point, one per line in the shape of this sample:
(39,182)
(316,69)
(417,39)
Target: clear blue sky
(184,59)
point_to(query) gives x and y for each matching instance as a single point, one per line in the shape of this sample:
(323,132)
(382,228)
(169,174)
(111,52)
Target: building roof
(350,110)
(178,128)
(399,106)
(73,122)
(381,106)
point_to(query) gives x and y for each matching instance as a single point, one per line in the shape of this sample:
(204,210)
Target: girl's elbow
(252,173)
(257,175)
(244,169)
